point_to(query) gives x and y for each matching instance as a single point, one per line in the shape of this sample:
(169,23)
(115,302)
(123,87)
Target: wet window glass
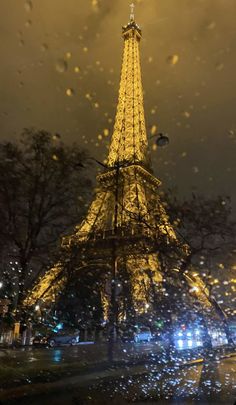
(117,202)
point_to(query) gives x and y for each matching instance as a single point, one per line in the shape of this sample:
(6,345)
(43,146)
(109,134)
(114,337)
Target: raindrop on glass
(219,66)
(61,66)
(172,59)
(28,23)
(44,47)
(28,6)
(70,92)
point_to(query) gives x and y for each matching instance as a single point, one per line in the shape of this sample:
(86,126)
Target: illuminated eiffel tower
(126,221)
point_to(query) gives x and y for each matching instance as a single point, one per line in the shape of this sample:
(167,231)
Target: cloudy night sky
(60,70)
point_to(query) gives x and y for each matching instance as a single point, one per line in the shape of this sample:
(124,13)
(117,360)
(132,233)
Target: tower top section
(129,144)
(131,27)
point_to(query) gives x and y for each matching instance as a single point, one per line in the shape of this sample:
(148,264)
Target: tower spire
(132,7)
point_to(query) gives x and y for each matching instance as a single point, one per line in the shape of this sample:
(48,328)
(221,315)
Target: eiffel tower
(126,225)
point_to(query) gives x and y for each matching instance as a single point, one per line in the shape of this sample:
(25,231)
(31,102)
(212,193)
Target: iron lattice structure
(126,227)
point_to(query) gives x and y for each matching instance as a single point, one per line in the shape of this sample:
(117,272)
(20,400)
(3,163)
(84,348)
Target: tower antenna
(132,7)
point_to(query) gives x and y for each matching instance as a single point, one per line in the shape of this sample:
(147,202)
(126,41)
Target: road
(86,353)
(210,382)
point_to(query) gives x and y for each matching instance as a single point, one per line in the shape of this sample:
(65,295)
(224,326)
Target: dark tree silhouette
(206,226)
(43,194)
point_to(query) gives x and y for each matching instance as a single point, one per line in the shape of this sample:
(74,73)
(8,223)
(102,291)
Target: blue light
(180,343)
(58,327)
(57,355)
(189,334)
(180,334)
(190,343)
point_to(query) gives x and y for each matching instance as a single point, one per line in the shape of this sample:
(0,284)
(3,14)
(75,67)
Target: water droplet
(231,133)
(88,96)
(70,92)
(186,114)
(56,136)
(28,6)
(100,137)
(68,55)
(77,69)
(61,66)
(96,105)
(172,59)
(85,49)
(28,23)
(44,47)
(211,25)
(106,132)
(219,66)
(154,146)
(153,130)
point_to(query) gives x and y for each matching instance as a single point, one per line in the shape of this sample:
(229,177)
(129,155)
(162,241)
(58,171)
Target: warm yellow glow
(69,92)
(46,288)
(128,188)
(129,140)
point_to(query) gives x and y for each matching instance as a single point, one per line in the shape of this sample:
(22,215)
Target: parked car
(57,339)
(63,338)
(40,340)
(142,334)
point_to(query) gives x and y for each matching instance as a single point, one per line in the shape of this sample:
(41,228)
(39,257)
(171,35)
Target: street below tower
(73,375)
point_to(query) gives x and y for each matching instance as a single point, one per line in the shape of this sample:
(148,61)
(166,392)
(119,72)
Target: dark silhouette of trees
(206,226)
(44,188)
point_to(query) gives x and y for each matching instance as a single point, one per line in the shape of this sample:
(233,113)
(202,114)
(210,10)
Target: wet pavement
(82,353)
(213,382)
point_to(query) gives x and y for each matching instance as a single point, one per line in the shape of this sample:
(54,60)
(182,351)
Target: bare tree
(205,225)
(43,194)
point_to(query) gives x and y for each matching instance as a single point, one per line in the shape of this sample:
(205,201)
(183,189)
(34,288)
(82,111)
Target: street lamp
(162,140)
(113,301)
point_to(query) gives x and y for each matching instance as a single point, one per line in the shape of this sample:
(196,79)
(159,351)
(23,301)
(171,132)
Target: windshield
(117,202)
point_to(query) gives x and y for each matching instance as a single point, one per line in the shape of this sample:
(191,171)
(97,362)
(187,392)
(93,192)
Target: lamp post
(113,302)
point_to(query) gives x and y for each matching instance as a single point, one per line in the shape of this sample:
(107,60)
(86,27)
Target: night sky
(60,69)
